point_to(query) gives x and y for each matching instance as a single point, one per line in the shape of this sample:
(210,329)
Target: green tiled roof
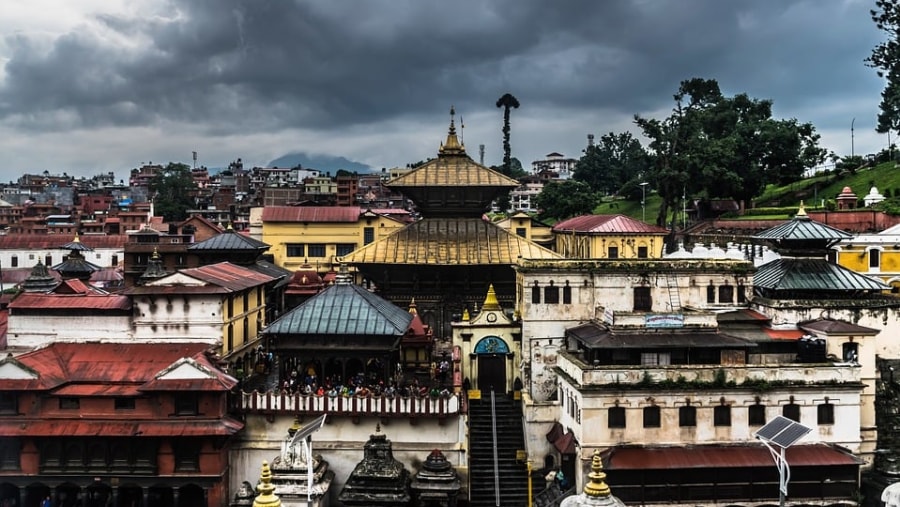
(801,227)
(788,274)
(343,309)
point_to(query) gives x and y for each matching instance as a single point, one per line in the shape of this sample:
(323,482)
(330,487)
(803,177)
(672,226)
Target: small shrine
(40,279)
(846,199)
(155,269)
(873,197)
(378,479)
(244,496)
(266,496)
(436,484)
(596,492)
(75,265)
(304,284)
(300,477)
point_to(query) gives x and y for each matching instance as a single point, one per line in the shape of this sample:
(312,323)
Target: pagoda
(378,479)
(436,484)
(75,265)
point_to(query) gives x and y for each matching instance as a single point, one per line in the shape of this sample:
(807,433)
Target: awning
(564,441)
(666,458)
(784,334)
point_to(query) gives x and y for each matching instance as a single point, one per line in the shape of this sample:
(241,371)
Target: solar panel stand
(777,435)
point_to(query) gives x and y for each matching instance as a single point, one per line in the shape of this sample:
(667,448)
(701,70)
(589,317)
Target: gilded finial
(490,301)
(155,255)
(294,427)
(452,146)
(76,240)
(596,485)
(802,211)
(412,306)
(465,315)
(266,497)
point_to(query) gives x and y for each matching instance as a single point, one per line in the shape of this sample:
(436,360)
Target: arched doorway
(160,496)
(191,495)
(97,495)
(9,494)
(334,371)
(67,495)
(354,367)
(491,352)
(131,495)
(35,493)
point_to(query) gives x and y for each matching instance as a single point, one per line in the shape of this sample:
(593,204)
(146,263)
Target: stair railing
(496,462)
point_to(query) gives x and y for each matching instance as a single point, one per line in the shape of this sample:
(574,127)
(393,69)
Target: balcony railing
(280,402)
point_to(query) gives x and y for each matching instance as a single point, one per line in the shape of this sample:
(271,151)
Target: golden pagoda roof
(452,168)
(450,242)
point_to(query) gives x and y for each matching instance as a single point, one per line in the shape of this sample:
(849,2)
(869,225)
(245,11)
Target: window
(656,358)
(616,417)
(124,404)
(722,415)
(756,415)
(850,352)
(687,416)
(345,248)
(67,403)
(521,232)
(186,404)
(10,450)
(115,260)
(48,260)
(14,262)
(613,252)
(187,456)
(791,411)
(295,249)
(874,258)
(642,252)
(825,413)
(726,294)
(651,417)
(711,293)
(741,294)
(535,294)
(567,294)
(368,235)
(316,250)
(551,294)
(642,301)
(9,402)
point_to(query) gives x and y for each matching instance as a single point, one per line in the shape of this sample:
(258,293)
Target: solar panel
(309,429)
(782,432)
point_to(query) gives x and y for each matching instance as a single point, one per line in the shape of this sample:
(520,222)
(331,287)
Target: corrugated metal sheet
(32,242)
(450,242)
(228,275)
(669,458)
(35,300)
(801,227)
(231,241)
(812,275)
(837,327)
(343,309)
(311,214)
(607,224)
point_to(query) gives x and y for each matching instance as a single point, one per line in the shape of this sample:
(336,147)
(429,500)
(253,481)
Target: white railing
(382,406)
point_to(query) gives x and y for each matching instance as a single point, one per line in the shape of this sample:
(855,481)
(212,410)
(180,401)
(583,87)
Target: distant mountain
(322,163)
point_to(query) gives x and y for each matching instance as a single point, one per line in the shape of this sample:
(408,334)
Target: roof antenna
(462,129)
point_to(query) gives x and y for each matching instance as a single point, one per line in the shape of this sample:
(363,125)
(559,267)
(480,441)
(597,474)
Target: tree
(172,190)
(608,165)
(507,102)
(564,199)
(713,146)
(885,58)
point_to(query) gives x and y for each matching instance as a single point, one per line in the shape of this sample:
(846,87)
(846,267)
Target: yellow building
(320,235)
(526,226)
(875,255)
(609,237)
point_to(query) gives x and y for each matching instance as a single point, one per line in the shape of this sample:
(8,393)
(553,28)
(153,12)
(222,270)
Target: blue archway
(491,345)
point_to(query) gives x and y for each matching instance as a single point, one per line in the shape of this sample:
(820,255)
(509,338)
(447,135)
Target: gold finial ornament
(490,301)
(412,307)
(596,485)
(266,496)
(452,146)
(465,315)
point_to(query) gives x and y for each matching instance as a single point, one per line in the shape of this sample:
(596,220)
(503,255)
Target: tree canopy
(715,146)
(565,199)
(611,163)
(885,58)
(172,190)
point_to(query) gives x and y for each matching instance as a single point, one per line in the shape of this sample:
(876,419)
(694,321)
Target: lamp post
(851,137)
(644,201)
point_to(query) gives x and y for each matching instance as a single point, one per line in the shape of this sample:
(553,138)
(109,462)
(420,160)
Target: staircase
(674,293)
(511,473)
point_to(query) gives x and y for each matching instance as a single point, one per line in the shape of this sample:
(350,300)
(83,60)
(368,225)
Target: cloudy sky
(106,85)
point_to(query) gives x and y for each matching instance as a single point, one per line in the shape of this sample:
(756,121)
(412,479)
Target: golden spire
(490,302)
(465,315)
(802,211)
(155,255)
(452,146)
(596,486)
(266,497)
(76,240)
(412,306)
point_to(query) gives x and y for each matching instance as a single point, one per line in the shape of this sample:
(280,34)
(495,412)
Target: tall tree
(885,58)
(611,163)
(724,147)
(507,102)
(172,190)
(564,199)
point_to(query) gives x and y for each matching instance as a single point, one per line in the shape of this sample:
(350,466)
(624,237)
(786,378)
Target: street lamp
(851,137)
(644,201)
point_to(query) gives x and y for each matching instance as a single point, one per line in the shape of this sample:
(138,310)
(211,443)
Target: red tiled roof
(607,224)
(228,275)
(86,428)
(32,242)
(311,213)
(669,458)
(36,300)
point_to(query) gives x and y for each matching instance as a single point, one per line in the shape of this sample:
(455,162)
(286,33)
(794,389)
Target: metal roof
(343,309)
(801,227)
(228,275)
(669,458)
(452,171)
(184,426)
(51,301)
(607,224)
(837,327)
(311,214)
(596,336)
(231,241)
(812,275)
(450,242)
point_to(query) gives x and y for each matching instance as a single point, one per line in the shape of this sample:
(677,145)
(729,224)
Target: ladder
(674,292)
